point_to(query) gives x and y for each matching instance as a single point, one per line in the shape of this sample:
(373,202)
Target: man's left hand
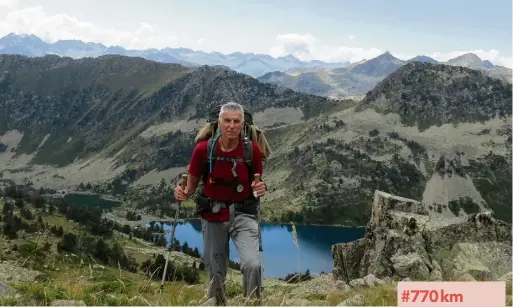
(259,188)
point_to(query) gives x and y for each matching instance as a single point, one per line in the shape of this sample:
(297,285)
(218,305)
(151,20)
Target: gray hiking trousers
(243,229)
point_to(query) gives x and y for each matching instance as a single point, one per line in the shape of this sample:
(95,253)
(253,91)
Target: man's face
(231,124)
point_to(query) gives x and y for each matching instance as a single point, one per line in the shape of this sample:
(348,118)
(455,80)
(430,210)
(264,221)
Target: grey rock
(357,300)
(485,260)
(466,277)
(371,280)
(11,271)
(342,286)
(436,272)
(4,288)
(402,240)
(410,264)
(357,283)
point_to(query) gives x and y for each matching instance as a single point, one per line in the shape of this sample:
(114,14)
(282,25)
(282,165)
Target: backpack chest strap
(247,155)
(230,159)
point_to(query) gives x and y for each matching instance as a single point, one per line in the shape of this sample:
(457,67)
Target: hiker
(227,204)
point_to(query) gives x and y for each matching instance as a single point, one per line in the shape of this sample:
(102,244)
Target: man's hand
(259,188)
(181,193)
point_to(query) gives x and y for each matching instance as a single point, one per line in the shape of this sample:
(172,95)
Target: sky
(328,30)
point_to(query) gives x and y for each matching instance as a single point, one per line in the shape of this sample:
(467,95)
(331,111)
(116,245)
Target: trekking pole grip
(257,180)
(184,180)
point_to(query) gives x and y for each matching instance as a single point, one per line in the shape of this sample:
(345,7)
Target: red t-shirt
(222,170)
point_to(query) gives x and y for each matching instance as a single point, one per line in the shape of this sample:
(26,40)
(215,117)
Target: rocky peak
(470,60)
(379,66)
(386,55)
(403,240)
(423,58)
(426,94)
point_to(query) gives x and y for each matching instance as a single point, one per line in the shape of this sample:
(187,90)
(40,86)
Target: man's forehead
(232,115)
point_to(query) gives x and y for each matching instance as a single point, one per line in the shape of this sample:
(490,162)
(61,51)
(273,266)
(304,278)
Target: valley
(431,132)
(385,128)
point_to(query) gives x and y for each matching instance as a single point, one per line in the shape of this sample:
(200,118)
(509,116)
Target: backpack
(250,132)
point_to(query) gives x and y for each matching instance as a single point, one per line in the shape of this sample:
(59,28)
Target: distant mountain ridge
(248,63)
(359,78)
(255,65)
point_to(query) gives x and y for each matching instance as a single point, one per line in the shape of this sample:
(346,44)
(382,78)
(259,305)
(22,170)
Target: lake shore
(276,223)
(313,244)
(148,218)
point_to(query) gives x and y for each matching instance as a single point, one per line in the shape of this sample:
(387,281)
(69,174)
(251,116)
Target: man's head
(231,120)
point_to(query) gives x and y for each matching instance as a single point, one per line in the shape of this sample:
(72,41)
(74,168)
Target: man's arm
(198,159)
(192,184)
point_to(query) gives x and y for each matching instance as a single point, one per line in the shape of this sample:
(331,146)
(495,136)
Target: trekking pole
(175,222)
(260,248)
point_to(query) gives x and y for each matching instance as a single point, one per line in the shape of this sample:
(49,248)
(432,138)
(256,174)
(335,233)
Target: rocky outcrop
(403,240)
(12,272)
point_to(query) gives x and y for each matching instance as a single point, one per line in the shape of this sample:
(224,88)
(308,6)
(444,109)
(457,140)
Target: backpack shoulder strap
(210,158)
(247,153)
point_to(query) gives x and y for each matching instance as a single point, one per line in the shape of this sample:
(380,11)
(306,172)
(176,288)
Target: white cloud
(8,4)
(200,41)
(34,20)
(351,37)
(306,47)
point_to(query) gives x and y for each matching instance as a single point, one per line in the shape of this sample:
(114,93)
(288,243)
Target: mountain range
(336,80)
(357,79)
(248,63)
(431,132)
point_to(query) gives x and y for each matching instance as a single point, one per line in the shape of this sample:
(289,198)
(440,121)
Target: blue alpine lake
(280,253)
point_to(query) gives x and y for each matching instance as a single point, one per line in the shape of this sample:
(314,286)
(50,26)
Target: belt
(216,205)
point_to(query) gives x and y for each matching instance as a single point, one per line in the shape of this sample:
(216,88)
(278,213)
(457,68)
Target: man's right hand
(181,193)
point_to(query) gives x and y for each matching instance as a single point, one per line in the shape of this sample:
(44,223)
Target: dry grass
(75,278)
(105,290)
(76,281)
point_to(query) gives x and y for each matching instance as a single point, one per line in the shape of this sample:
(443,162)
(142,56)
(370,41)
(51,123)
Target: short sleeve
(198,159)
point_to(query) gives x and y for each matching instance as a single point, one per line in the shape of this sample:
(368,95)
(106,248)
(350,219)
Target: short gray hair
(231,106)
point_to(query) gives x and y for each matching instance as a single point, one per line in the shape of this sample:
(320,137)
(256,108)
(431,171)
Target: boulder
(357,283)
(404,240)
(356,300)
